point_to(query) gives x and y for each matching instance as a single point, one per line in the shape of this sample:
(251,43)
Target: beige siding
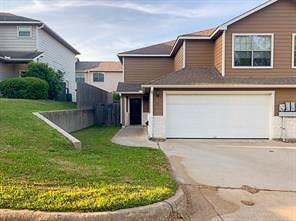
(278,18)
(111,80)
(218,53)
(281,95)
(140,70)
(178,59)
(199,53)
(9,40)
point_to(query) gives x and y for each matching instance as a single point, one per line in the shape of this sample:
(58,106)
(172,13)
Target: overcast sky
(100,29)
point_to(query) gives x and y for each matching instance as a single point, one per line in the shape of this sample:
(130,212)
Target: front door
(135,111)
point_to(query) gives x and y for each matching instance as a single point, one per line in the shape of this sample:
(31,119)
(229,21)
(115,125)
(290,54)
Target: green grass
(40,170)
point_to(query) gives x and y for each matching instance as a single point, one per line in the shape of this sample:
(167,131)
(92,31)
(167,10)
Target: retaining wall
(71,120)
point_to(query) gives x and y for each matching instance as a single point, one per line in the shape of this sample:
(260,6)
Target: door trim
(128,103)
(271,93)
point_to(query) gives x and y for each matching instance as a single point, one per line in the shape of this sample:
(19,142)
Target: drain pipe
(151,111)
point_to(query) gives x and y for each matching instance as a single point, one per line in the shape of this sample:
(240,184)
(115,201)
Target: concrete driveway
(214,171)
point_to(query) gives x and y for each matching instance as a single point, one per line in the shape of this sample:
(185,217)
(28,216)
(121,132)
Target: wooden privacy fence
(106,111)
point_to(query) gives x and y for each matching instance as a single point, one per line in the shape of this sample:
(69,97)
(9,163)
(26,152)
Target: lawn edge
(175,206)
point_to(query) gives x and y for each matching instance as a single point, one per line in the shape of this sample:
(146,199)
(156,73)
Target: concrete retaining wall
(175,206)
(71,120)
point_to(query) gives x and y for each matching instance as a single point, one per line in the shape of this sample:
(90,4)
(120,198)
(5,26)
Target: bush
(116,96)
(52,77)
(26,88)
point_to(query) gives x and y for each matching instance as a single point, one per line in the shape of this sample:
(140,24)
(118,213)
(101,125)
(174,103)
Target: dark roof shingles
(19,54)
(127,87)
(11,17)
(198,76)
(157,49)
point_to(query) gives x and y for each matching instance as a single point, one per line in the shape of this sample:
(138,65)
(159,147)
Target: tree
(52,77)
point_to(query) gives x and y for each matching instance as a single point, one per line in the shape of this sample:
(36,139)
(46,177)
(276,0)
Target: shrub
(26,88)
(52,77)
(116,96)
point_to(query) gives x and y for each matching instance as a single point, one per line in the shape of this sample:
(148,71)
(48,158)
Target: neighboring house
(225,82)
(102,74)
(23,40)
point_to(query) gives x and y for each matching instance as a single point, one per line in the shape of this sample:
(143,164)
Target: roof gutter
(223,86)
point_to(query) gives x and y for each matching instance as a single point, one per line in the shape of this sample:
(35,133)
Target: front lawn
(40,170)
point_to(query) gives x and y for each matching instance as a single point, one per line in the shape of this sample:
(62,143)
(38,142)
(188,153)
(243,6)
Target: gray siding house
(23,40)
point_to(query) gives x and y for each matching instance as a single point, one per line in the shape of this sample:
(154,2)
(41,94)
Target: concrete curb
(75,142)
(176,206)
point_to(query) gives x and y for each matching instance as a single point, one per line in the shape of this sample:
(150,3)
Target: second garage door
(218,116)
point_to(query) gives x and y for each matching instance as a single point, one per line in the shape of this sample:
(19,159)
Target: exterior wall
(178,59)
(218,53)
(58,57)
(199,53)
(281,95)
(278,18)
(9,40)
(157,127)
(140,70)
(111,80)
(11,70)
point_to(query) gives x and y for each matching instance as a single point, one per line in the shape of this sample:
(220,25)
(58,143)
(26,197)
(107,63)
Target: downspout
(151,111)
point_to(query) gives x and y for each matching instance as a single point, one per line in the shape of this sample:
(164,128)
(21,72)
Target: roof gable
(155,50)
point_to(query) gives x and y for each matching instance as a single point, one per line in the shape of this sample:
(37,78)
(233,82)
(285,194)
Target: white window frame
(102,73)
(253,67)
(25,27)
(293,50)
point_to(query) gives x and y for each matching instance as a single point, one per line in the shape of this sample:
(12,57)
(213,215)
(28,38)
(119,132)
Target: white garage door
(218,116)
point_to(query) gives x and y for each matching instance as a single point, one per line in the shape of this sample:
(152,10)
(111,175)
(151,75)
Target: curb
(175,206)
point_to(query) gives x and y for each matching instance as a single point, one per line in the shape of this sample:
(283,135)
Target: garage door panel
(217,116)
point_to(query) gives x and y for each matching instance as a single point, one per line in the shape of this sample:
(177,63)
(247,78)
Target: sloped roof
(200,76)
(157,49)
(18,56)
(8,18)
(4,16)
(203,33)
(126,87)
(108,66)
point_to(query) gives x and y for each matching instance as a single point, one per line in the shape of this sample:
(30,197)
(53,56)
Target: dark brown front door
(135,111)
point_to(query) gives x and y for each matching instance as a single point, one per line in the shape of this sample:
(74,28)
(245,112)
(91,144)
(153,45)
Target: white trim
(138,92)
(75,142)
(121,110)
(30,29)
(271,93)
(151,111)
(221,27)
(223,52)
(225,25)
(253,67)
(293,49)
(224,86)
(21,22)
(184,54)
(123,69)
(144,55)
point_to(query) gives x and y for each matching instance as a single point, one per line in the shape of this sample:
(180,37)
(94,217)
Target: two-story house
(101,74)
(23,40)
(225,82)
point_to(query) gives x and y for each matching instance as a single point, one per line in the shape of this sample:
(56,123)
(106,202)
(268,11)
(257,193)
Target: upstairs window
(24,31)
(80,78)
(98,77)
(253,50)
(294,50)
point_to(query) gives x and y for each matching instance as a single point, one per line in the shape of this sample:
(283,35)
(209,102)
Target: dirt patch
(247,203)
(250,189)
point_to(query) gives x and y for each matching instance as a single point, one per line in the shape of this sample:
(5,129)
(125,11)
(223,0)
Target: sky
(99,29)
